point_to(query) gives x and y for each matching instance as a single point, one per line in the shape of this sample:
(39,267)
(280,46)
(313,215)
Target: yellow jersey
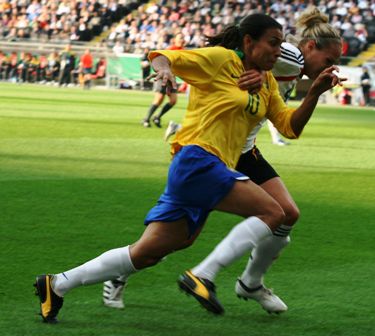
(220,115)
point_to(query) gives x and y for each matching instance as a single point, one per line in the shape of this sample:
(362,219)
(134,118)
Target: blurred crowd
(157,22)
(139,26)
(132,26)
(64,68)
(74,20)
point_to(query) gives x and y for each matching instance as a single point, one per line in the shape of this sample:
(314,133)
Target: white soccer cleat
(112,294)
(269,301)
(171,129)
(281,142)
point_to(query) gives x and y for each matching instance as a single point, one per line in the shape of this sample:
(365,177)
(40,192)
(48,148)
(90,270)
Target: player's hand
(326,80)
(166,77)
(251,80)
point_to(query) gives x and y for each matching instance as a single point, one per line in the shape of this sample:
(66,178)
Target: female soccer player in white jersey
(319,48)
(201,176)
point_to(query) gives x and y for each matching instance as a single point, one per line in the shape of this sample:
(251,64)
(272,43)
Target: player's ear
(248,43)
(311,45)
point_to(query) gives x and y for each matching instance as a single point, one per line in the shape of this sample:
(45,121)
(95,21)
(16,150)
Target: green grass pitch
(78,173)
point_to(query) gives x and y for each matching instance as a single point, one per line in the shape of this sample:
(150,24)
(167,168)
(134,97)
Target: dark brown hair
(254,25)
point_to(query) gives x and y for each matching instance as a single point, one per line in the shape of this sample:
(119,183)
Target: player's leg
(250,285)
(270,248)
(113,289)
(158,240)
(263,215)
(172,101)
(157,101)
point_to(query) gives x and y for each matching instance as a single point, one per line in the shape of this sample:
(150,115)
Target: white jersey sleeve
(287,71)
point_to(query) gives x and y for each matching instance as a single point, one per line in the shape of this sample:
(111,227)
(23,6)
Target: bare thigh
(172,98)
(277,189)
(158,240)
(158,98)
(247,199)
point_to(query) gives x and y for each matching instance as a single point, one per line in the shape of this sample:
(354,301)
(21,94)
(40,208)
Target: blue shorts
(197,181)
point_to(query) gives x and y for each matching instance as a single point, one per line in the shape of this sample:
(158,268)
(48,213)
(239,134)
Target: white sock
(109,265)
(263,256)
(242,239)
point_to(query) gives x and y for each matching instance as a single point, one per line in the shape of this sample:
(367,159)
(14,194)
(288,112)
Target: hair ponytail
(313,25)
(229,38)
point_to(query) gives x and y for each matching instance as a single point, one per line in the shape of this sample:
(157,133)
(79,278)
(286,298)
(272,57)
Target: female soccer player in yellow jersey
(201,176)
(319,47)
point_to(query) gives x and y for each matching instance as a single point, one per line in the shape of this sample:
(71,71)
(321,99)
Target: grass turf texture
(78,173)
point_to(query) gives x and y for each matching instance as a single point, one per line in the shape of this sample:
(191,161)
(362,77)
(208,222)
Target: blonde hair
(313,25)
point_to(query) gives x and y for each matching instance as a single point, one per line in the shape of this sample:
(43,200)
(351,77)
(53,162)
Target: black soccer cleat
(50,303)
(201,289)
(157,122)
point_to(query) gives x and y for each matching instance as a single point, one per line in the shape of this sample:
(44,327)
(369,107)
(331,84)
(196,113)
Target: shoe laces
(267,291)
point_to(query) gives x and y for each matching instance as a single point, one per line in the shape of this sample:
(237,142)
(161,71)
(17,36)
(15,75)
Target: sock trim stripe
(283,230)
(280,234)
(247,289)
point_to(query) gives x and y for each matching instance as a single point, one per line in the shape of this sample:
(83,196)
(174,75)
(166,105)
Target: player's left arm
(291,122)
(325,81)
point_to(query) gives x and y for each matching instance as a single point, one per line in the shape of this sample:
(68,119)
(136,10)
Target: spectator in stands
(23,67)
(53,67)
(361,34)
(118,48)
(67,65)
(11,66)
(2,65)
(41,71)
(87,63)
(366,86)
(346,96)
(162,91)
(100,69)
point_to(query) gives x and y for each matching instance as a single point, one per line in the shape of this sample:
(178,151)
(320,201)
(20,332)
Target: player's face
(316,60)
(262,54)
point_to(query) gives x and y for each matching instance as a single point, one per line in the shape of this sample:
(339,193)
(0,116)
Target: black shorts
(254,165)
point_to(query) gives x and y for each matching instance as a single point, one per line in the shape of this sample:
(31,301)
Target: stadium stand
(114,27)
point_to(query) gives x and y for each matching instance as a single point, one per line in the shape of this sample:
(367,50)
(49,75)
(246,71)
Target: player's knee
(142,257)
(146,261)
(292,214)
(274,217)
(279,216)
